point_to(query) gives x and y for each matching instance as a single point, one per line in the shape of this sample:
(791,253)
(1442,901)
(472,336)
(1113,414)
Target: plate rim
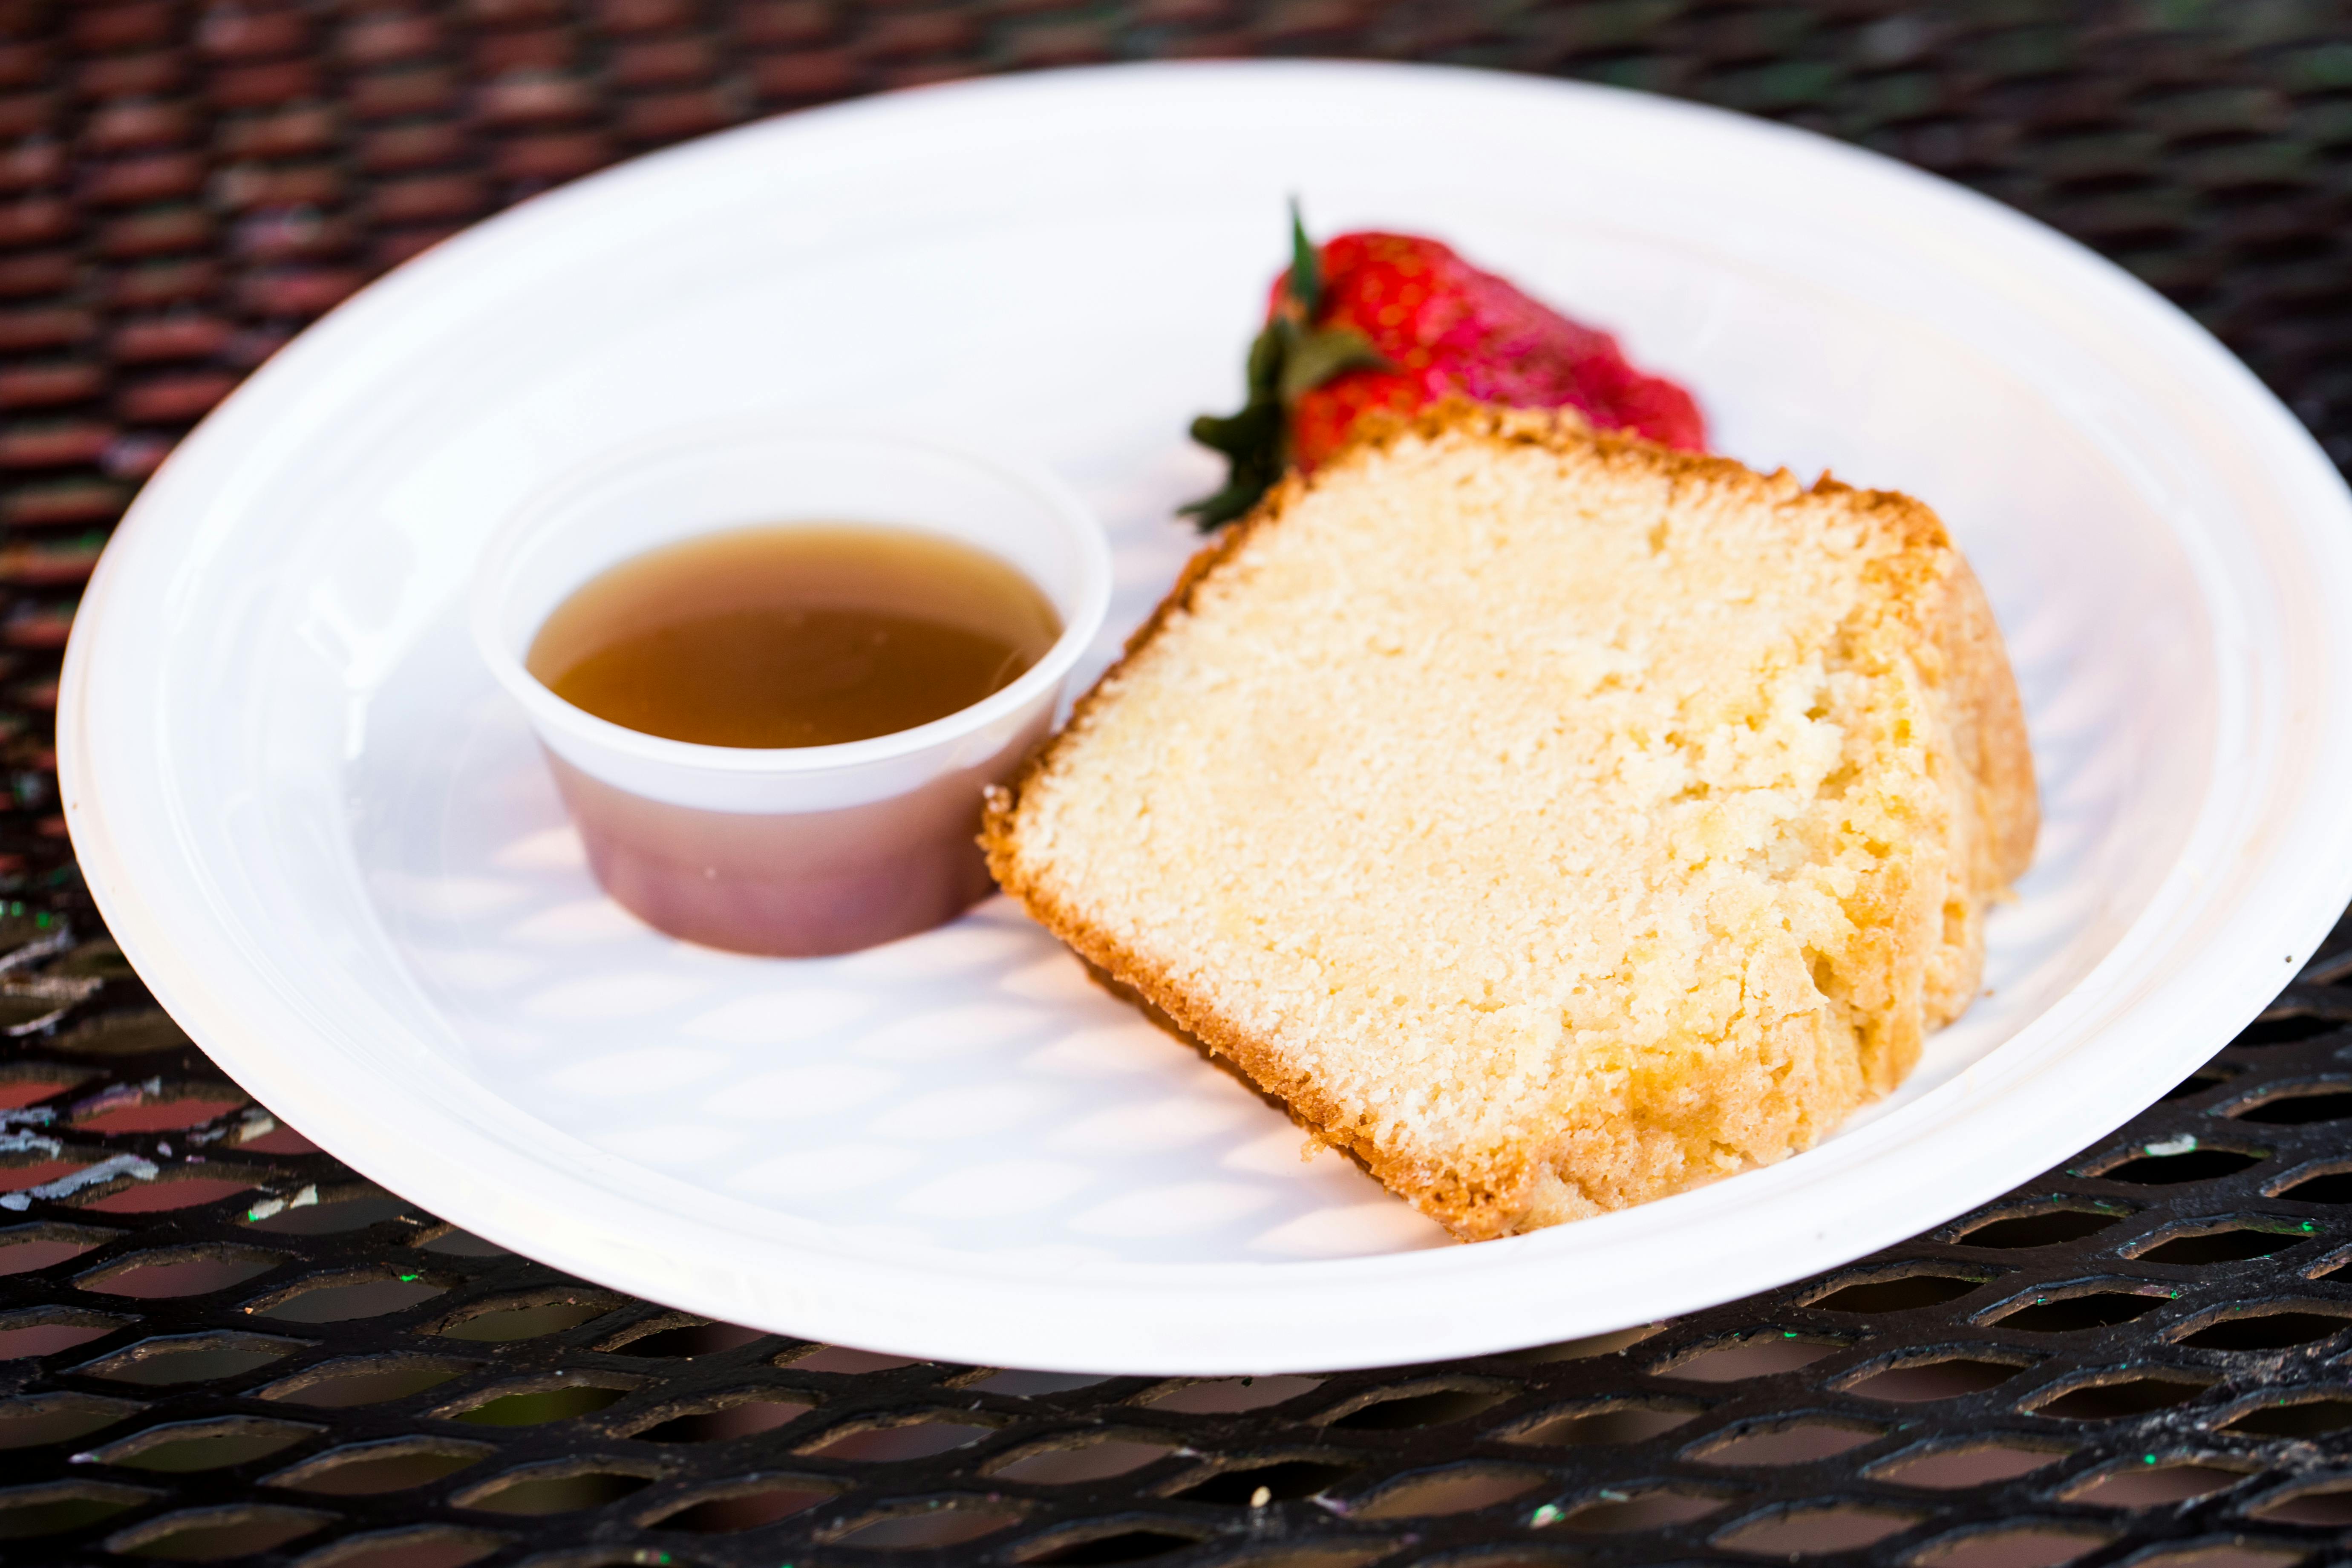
(219,1025)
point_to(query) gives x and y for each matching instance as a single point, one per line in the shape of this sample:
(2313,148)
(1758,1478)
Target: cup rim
(493,570)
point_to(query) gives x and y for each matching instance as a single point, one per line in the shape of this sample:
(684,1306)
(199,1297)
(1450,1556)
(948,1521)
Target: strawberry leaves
(1317,356)
(1255,445)
(1306,268)
(1291,357)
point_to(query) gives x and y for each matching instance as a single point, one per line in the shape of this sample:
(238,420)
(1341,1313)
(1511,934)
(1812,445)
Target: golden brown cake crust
(1960,658)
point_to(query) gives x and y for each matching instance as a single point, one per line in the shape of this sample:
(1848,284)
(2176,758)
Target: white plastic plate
(326,842)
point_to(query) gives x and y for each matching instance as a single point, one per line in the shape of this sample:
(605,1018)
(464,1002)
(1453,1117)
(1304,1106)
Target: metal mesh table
(216,1344)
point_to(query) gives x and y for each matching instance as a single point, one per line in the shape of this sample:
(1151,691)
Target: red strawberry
(1392,321)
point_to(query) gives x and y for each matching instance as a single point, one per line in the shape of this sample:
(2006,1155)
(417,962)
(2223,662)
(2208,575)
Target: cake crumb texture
(1553,820)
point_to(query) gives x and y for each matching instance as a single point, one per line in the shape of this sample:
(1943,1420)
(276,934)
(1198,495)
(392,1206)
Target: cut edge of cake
(1957,641)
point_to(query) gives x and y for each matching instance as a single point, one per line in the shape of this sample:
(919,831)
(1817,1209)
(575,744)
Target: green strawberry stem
(1287,360)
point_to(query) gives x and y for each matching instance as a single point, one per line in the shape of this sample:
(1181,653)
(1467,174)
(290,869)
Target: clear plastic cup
(794,851)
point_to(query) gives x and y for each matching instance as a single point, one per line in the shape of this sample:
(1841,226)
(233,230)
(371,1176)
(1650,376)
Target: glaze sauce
(801,635)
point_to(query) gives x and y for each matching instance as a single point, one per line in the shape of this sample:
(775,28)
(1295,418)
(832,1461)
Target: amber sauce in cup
(784,636)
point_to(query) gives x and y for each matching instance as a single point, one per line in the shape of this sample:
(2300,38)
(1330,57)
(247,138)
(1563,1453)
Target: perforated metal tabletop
(217,1344)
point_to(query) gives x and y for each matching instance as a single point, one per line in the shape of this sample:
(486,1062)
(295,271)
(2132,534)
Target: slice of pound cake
(1553,820)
